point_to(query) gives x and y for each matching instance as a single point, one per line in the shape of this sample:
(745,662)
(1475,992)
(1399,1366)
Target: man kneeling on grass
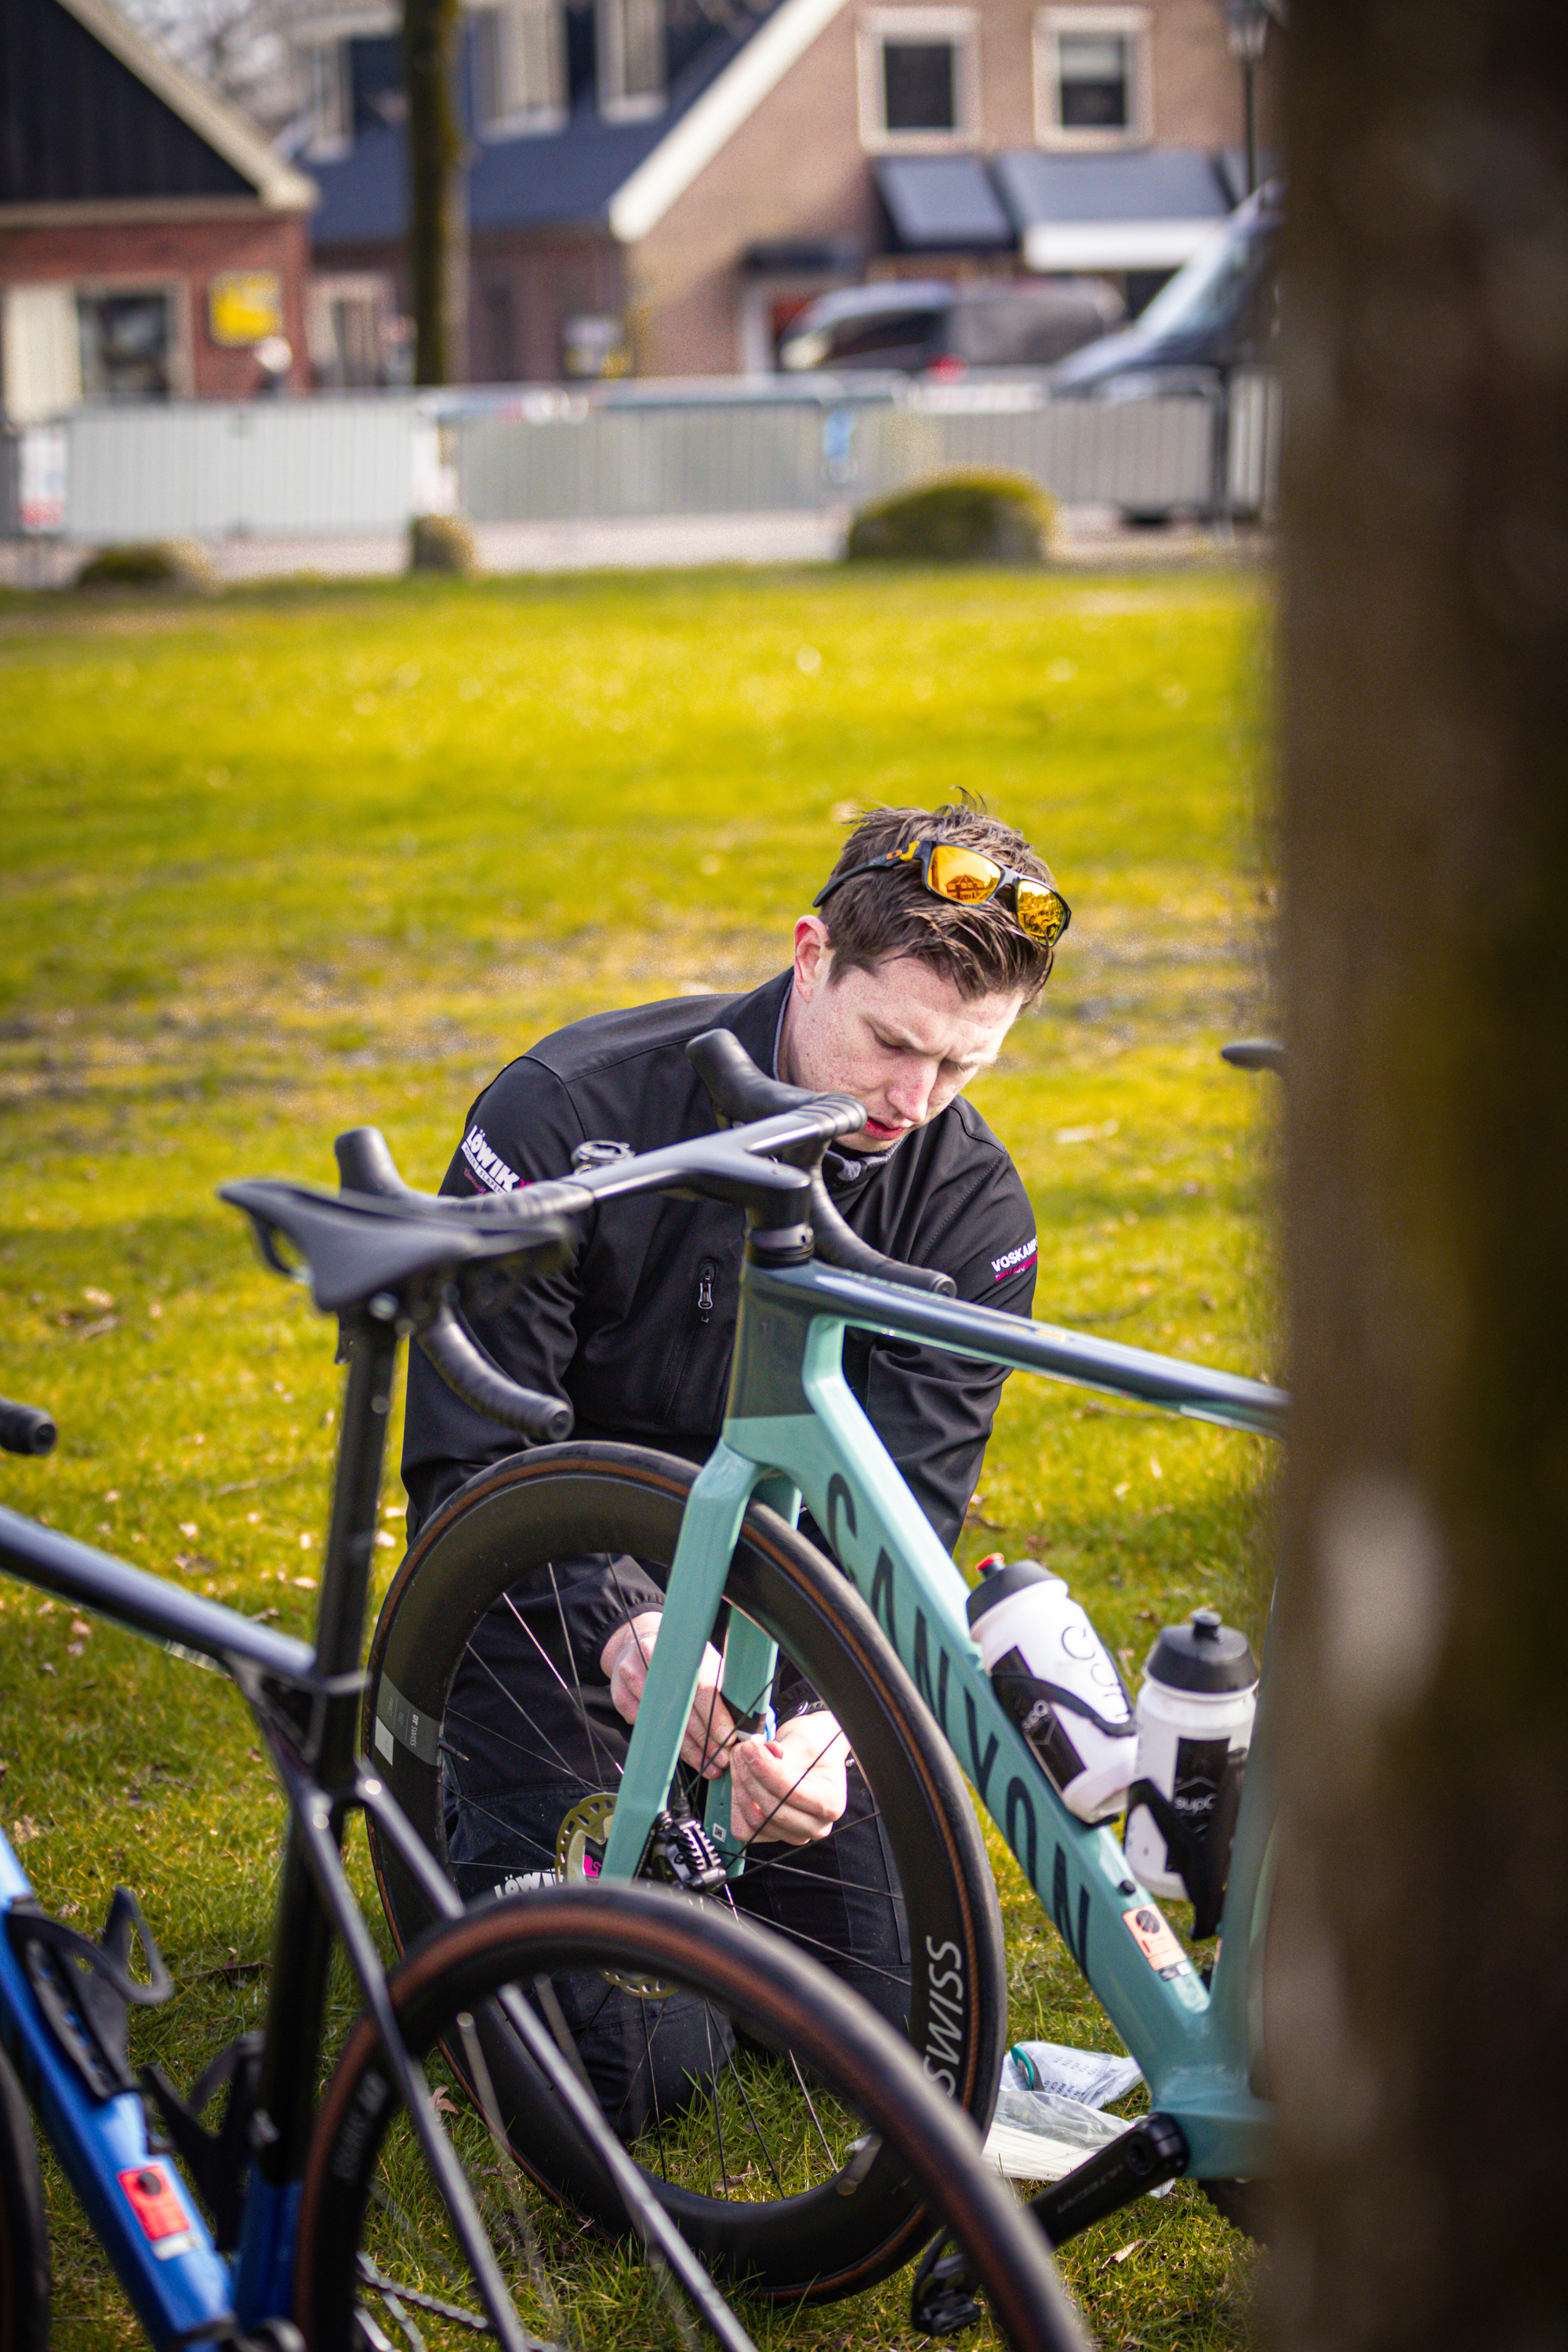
(932,931)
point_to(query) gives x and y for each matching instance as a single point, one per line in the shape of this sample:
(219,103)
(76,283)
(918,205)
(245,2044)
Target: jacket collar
(758,1021)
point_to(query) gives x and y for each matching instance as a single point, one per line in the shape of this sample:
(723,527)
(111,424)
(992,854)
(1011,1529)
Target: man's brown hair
(981,950)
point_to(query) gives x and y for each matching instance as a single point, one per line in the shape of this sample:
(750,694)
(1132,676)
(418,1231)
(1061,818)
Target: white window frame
(510,111)
(324,63)
(1129,23)
(616,103)
(176,292)
(372,289)
(959,28)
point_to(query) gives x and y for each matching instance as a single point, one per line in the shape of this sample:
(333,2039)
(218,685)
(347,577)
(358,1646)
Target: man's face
(901,1037)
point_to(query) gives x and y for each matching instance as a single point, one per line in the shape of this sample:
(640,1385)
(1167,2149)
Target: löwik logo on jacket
(489,1166)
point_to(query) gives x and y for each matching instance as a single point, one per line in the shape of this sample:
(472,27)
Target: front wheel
(375,2250)
(493,1730)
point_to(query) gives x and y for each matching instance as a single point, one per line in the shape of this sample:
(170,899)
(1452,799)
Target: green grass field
(300,859)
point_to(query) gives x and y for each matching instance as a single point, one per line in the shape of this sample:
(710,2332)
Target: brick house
(660,185)
(151,245)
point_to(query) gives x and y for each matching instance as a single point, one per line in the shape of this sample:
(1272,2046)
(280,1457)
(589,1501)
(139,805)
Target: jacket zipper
(680,1354)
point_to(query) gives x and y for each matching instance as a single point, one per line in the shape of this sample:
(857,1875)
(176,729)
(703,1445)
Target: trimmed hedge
(970,517)
(176,563)
(438,542)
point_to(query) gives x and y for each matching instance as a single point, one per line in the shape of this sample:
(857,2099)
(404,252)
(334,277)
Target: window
(351,329)
(631,58)
(324,70)
(1092,78)
(519,66)
(127,344)
(919,79)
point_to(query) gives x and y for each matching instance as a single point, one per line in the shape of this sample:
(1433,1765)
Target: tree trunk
(438,238)
(1417,1997)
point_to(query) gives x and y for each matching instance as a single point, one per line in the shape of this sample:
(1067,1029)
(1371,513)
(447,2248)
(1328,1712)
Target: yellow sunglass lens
(1040,913)
(963,875)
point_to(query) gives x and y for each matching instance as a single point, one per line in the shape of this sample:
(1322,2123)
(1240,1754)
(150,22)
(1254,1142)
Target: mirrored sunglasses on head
(966,878)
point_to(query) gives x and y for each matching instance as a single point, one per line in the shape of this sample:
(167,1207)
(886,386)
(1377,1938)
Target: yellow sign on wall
(246,306)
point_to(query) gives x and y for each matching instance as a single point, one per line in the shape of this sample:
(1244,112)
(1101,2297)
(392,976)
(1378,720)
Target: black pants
(531,1733)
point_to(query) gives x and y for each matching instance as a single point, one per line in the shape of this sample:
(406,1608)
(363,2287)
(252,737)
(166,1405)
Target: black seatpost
(372,1340)
(303,1933)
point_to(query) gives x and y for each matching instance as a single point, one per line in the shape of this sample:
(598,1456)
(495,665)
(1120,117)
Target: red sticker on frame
(156,2203)
(1155,1938)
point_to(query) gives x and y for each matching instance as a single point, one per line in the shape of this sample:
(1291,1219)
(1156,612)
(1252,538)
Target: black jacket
(639,1331)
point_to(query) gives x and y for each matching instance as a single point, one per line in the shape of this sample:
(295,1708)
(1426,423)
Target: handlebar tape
(470,1374)
(365,1165)
(840,1245)
(742,1092)
(1255,1053)
(25,1428)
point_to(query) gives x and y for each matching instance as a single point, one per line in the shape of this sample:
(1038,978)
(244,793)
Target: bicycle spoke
(484,2091)
(719,2113)
(811,2108)
(573,1699)
(583,1715)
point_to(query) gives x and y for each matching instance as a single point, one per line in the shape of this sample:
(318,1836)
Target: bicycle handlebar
(479,1380)
(1255,1053)
(25,1428)
(771,1164)
(741,1091)
(366,1165)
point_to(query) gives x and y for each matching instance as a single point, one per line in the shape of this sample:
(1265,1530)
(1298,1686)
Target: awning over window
(1150,209)
(942,203)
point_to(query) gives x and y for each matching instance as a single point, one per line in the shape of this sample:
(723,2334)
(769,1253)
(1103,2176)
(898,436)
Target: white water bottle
(1058,1682)
(1194,1713)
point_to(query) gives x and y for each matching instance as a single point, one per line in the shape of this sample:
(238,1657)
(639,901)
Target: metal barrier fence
(358,467)
(771,456)
(263,469)
(10,484)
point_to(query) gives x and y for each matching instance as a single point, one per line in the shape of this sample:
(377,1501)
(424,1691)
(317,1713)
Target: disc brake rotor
(579,1844)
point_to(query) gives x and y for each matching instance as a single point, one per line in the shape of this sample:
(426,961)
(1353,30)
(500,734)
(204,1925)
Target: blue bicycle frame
(793,1430)
(140,2209)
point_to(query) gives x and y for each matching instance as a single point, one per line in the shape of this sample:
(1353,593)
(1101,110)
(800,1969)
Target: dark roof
(1145,183)
(77,125)
(942,203)
(535,179)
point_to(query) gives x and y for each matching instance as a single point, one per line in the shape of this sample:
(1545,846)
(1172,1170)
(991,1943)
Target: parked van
(913,326)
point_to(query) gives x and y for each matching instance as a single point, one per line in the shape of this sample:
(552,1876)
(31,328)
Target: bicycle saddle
(356,1247)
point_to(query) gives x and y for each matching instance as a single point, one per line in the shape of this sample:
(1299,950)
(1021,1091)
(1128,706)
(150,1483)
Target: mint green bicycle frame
(794,1432)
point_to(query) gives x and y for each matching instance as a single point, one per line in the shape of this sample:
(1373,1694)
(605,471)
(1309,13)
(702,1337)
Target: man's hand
(624,1660)
(790,1789)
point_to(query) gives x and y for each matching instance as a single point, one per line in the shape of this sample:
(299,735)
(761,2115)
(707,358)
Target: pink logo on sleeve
(1013,1259)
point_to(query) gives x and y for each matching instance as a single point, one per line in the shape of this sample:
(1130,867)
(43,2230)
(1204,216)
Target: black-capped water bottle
(1058,1682)
(1195,1727)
